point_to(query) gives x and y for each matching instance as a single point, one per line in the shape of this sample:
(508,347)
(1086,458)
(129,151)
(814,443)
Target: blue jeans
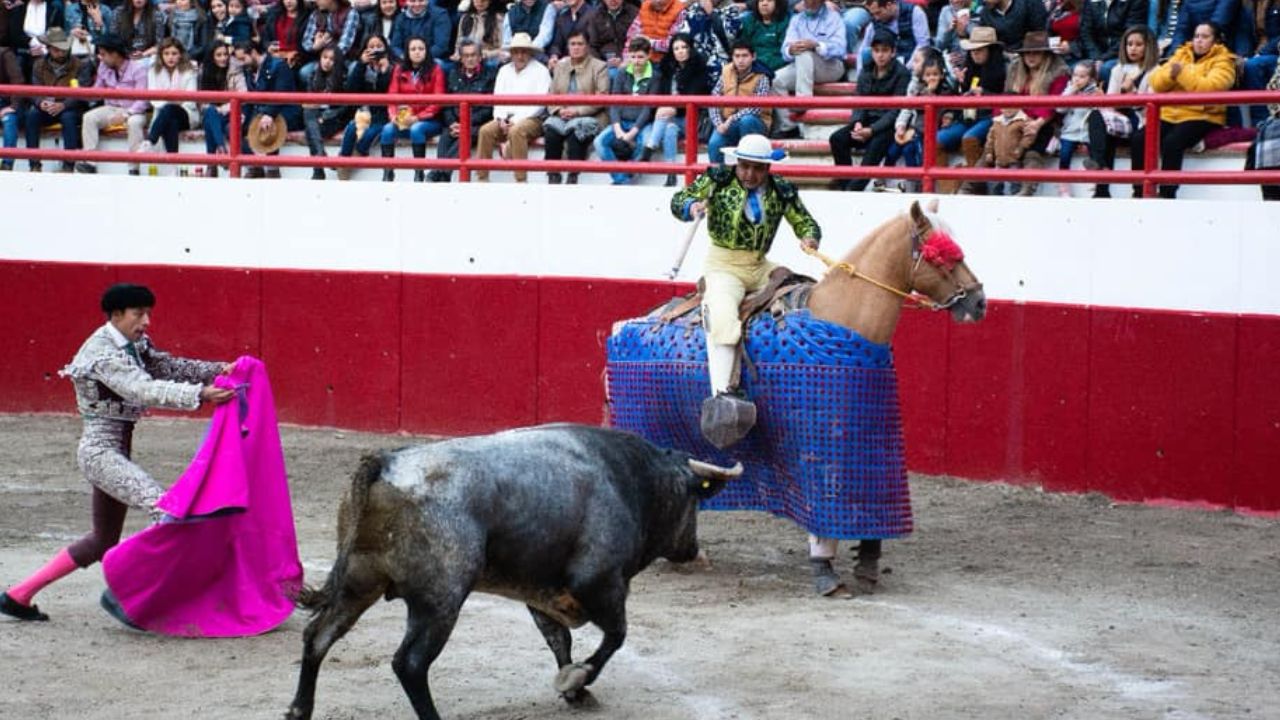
(745,125)
(1257,71)
(351,144)
(949,136)
(418,133)
(978,130)
(10,126)
(912,153)
(1066,148)
(856,20)
(68,119)
(665,132)
(215,129)
(604,148)
(1104,75)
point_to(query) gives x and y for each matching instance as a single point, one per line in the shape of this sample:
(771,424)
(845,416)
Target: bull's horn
(707,470)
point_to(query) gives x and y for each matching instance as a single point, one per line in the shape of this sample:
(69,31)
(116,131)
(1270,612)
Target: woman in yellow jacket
(1202,65)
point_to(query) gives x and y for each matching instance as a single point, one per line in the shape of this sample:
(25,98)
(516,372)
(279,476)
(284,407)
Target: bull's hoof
(726,419)
(297,713)
(572,678)
(581,699)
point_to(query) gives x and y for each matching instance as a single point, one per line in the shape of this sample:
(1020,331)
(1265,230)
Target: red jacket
(403,83)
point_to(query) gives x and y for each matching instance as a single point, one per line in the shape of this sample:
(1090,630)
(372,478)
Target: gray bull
(559,517)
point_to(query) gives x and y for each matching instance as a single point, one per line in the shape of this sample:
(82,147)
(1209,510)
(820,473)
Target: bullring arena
(1093,481)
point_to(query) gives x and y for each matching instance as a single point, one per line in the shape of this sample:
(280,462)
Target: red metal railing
(930,171)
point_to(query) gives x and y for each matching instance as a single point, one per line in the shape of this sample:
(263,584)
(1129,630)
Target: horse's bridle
(959,292)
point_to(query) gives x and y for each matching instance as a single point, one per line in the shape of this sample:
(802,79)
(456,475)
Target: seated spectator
(141,26)
(372,75)
(416,74)
(907,24)
(1037,70)
(380,20)
(471,76)
(871,129)
(1102,26)
(238,28)
(516,125)
(741,78)
(683,73)
(1064,29)
(984,73)
(263,73)
(324,121)
(482,22)
(765,27)
(571,18)
(535,18)
(814,47)
(953,24)
(659,21)
(576,125)
(1011,19)
(713,30)
(116,70)
(1007,143)
(172,71)
(88,20)
(10,74)
(332,22)
(218,20)
(217,74)
(282,31)
(432,24)
(186,24)
(1075,129)
(1264,153)
(22,24)
(1223,13)
(929,79)
(1108,126)
(607,31)
(621,140)
(1259,68)
(1202,65)
(57,68)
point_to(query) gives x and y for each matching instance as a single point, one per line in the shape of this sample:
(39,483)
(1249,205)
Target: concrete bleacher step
(825,116)
(835,89)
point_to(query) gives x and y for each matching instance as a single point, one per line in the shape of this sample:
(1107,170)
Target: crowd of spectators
(1022,49)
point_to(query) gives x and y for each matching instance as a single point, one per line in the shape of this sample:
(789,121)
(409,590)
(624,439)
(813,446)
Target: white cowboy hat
(522,41)
(755,148)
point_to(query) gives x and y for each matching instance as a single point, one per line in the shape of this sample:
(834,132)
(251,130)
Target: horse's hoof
(581,699)
(572,678)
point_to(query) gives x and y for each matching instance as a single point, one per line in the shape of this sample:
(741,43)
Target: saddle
(728,417)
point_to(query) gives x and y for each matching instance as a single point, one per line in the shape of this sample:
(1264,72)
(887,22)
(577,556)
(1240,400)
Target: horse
(827,448)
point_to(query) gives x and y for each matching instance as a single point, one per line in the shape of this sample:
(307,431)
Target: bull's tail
(353,507)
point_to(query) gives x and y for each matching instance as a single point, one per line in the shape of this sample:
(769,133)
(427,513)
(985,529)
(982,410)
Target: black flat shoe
(112,606)
(15,609)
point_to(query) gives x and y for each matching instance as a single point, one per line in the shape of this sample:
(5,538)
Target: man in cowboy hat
(116,70)
(58,68)
(517,125)
(265,73)
(744,204)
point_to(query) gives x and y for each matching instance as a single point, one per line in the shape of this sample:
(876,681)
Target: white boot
(720,366)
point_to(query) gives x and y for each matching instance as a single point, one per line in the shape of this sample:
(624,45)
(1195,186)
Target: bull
(559,517)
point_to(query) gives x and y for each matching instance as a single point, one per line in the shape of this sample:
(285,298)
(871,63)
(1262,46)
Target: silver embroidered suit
(115,381)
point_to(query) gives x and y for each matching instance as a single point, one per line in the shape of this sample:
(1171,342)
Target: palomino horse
(827,448)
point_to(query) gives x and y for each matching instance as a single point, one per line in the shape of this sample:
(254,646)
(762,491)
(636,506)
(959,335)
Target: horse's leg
(867,571)
(826,581)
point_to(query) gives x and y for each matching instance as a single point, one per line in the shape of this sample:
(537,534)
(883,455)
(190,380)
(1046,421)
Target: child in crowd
(324,121)
(1010,136)
(1075,129)
(930,78)
(237,27)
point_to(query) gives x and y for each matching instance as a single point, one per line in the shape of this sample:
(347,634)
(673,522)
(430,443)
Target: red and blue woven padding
(827,449)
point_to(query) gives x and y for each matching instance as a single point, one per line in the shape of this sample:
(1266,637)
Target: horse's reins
(909,294)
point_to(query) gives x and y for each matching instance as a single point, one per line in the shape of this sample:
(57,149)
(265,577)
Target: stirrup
(727,417)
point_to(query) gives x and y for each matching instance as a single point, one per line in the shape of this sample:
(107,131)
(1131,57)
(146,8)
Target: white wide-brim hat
(522,41)
(755,148)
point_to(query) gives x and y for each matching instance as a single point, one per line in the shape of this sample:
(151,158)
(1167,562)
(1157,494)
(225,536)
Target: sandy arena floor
(1006,603)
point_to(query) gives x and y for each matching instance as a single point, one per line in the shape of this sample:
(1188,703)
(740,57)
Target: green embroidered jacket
(728,227)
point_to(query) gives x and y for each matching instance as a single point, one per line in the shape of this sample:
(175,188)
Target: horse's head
(938,269)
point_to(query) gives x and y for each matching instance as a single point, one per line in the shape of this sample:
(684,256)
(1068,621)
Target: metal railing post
(691,111)
(233,142)
(930,146)
(464,141)
(1150,149)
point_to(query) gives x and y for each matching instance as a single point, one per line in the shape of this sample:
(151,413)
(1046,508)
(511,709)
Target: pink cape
(227,567)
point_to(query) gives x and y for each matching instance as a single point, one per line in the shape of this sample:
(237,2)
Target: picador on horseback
(809,402)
